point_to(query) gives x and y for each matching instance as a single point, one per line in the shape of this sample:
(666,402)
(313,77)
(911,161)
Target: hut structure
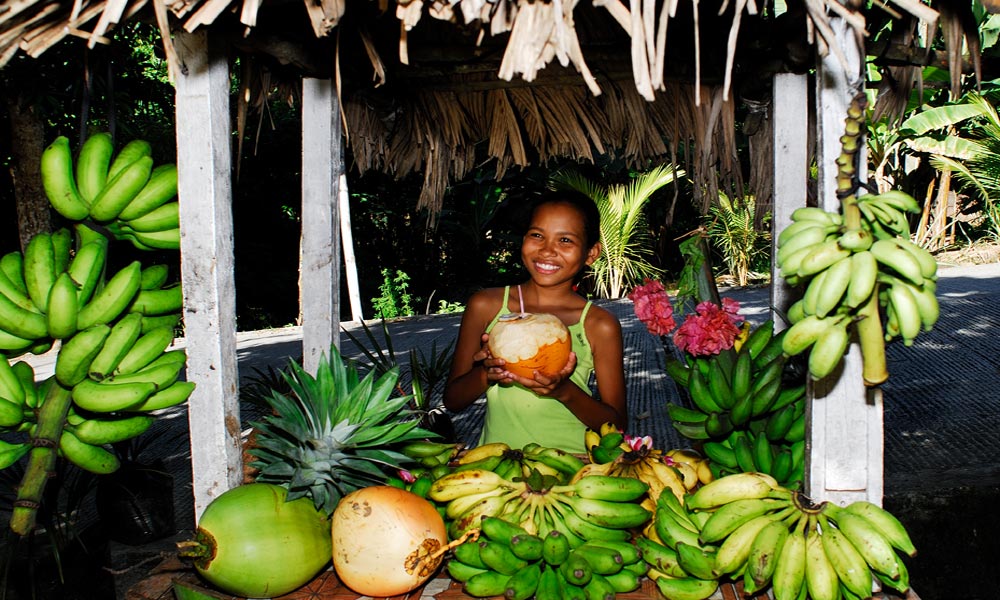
(438,86)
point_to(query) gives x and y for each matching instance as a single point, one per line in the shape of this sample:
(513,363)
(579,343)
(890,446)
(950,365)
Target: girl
(561,241)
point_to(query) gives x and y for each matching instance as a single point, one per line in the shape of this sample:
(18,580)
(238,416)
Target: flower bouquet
(742,410)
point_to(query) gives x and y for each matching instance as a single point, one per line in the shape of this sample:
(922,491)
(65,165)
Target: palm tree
(627,249)
(732,230)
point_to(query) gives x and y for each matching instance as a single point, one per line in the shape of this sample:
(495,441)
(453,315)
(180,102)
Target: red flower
(711,330)
(652,306)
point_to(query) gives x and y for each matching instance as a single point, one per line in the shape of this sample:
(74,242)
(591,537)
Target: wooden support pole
(845,449)
(322,166)
(350,263)
(790,115)
(204,160)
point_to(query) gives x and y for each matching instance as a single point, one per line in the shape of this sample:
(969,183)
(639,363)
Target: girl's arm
(609,368)
(473,368)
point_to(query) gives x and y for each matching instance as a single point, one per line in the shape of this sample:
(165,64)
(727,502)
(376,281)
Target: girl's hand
(543,385)
(494,367)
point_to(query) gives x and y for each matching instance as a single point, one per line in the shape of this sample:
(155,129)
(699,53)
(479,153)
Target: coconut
(531,342)
(386,541)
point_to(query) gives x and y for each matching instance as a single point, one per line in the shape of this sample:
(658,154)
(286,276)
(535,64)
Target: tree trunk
(27,137)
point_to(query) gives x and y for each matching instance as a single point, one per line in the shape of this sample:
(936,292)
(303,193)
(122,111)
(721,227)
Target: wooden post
(844,457)
(790,115)
(322,165)
(204,179)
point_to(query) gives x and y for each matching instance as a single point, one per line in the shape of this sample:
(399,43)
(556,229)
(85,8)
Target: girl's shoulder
(486,299)
(602,321)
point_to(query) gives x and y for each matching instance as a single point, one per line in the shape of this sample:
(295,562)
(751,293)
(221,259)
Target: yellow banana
(480,452)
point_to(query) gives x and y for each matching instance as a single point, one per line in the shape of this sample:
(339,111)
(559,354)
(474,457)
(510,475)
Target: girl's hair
(578,200)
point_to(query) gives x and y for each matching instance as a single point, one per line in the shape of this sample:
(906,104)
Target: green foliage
(626,244)
(394,298)
(732,230)
(447,308)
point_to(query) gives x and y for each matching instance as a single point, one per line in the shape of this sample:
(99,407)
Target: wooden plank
(790,168)
(350,263)
(204,159)
(844,457)
(322,167)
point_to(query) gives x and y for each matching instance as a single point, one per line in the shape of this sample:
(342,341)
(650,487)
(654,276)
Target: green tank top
(516,416)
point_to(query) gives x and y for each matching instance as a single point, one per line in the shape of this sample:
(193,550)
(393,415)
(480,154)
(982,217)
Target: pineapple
(333,433)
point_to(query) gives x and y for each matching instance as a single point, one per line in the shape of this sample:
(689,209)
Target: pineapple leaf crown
(334,432)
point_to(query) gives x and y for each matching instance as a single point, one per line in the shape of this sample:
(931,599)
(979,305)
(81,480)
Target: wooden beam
(790,172)
(204,159)
(322,167)
(844,456)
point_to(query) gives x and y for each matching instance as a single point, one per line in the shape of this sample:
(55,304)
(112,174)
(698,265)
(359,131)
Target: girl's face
(554,248)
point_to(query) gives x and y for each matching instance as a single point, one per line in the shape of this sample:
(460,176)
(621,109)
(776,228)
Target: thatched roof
(440,85)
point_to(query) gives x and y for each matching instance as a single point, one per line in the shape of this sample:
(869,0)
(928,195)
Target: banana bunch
(731,389)
(591,508)
(756,451)
(506,560)
(677,470)
(510,462)
(431,455)
(123,191)
(851,264)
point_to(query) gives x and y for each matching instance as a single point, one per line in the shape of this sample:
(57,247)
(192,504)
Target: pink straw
(520,299)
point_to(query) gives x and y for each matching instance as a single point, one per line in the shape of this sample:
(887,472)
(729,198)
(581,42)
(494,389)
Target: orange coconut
(531,342)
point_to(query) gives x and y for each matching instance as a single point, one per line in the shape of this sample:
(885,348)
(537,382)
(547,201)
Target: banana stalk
(871,337)
(41,459)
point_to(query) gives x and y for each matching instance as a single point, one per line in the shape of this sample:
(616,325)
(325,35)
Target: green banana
(161,376)
(62,246)
(864,273)
(166,239)
(890,254)
(25,374)
(821,578)
(683,414)
(884,521)
(719,453)
(814,213)
(599,588)
(678,371)
(11,413)
(735,548)
(153,277)
(628,551)
(870,543)
(523,583)
(807,238)
(160,189)
(14,294)
(822,257)
(105,397)
(92,165)
(701,394)
(671,528)
(555,548)
(151,323)
(63,307)
(87,456)
(145,350)
(907,311)
(762,559)
(567,464)
(12,265)
(39,269)
(112,430)
(697,562)
(176,393)
(759,338)
(548,585)
(687,588)
(121,190)
(113,298)
(623,581)
(850,566)
(10,384)
(499,557)
(659,557)
(803,334)
(613,515)
(527,547)
(486,584)
(789,572)
(576,570)
(10,453)
(828,350)
(87,268)
(129,153)
(160,218)
(462,572)
(928,265)
(856,240)
(58,181)
(797,227)
(727,489)
(607,487)
(835,282)
(77,352)
(120,340)
(771,351)
(728,517)
(587,530)
(499,530)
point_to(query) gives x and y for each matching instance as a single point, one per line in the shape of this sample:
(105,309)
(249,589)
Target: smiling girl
(561,241)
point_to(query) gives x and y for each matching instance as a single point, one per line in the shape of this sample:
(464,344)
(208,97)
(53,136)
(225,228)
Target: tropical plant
(627,250)
(731,229)
(981,171)
(394,298)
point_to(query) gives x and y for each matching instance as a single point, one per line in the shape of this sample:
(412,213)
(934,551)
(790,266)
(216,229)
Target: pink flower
(652,306)
(711,330)
(638,443)
(406,476)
